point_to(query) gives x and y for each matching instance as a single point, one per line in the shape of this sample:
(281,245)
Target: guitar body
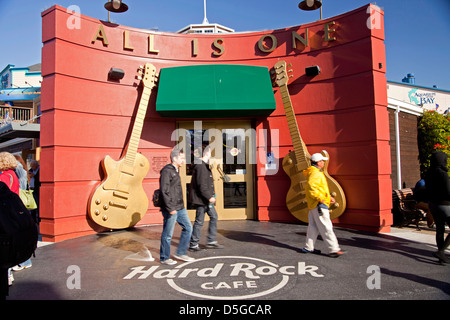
(120,201)
(336,191)
(298,160)
(296,196)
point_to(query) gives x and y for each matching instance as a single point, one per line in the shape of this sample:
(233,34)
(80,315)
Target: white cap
(317,157)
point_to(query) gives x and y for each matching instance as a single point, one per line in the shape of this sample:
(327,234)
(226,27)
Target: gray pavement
(261,261)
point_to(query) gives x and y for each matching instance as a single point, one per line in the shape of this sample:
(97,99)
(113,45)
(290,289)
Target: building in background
(205,26)
(20,96)
(432,99)
(406,102)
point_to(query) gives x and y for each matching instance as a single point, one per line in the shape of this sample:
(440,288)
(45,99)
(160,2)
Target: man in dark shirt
(173,210)
(35,185)
(202,197)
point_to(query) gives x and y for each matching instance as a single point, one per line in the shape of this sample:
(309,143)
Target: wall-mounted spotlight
(115,74)
(309,5)
(312,71)
(116,6)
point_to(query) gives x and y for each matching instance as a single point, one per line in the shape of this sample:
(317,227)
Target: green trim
(215,91)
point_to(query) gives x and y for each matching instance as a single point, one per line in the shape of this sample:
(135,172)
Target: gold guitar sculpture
(296,161)
(120,201)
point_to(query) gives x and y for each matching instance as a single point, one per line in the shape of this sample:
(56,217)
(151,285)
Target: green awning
(215,91)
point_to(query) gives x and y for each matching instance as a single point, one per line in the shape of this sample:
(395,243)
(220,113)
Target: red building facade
(86,115)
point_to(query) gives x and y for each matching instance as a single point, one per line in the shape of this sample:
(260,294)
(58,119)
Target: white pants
(321,224)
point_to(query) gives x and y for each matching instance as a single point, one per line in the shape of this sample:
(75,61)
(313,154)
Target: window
(4,81)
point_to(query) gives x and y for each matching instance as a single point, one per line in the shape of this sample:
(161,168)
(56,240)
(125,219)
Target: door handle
(223,175)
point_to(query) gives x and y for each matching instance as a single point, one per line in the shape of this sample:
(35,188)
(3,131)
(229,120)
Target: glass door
(231,164)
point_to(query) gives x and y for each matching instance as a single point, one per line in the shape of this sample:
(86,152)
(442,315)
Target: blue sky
(417,31)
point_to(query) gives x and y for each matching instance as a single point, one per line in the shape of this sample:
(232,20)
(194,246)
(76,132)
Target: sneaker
(169,262)
(315,251)
(214,245)
(20,267)
(195,249)
(336,254)
(441,256)
(184,258)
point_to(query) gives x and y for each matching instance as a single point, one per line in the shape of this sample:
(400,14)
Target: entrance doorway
(231,164)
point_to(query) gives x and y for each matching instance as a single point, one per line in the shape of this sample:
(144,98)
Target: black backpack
(18,231)
(157,198)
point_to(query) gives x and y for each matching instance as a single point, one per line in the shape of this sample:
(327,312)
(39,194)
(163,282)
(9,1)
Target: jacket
(202,185)
(171,191)
(316,187)
(9,177)
(437,182)
(37,180)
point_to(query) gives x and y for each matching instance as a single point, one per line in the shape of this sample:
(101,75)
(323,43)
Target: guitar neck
(137,128)
(299,147)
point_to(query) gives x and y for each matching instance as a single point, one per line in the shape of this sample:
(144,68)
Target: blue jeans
(198,224)
(182,218)
(26,263)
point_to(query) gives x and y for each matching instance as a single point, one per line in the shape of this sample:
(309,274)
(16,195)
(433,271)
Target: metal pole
(321,10)
(205,20)
(397,148)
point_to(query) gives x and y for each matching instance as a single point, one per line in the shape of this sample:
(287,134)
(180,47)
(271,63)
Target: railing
(15,114)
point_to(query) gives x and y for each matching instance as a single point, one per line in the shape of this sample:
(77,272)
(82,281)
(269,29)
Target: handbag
(28,199)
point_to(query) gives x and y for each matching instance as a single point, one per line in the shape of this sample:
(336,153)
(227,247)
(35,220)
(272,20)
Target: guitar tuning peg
(289,65)
(290,70)
(291,76)
(139,77)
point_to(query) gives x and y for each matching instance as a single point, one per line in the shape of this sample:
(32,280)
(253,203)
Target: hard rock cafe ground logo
(227,277)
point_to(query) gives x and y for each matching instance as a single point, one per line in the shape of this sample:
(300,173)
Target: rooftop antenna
(205,20)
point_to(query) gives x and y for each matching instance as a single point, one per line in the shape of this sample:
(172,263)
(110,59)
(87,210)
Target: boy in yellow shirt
(319,199)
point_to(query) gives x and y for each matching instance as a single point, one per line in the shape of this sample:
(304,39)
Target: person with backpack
(173,210)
